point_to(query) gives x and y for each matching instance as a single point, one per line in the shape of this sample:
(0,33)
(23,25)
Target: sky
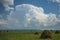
(29,14)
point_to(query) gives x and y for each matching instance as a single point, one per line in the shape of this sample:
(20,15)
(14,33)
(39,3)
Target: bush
(46,34)
(36,33)
(57,31)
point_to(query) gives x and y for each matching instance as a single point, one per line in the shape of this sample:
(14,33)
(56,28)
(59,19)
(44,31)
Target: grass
(25,36)
(56,36)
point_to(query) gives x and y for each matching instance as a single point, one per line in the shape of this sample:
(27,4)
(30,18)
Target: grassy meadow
(25,35)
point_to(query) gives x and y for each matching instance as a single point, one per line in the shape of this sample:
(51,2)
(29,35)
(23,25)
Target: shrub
(36,33)
(57,31)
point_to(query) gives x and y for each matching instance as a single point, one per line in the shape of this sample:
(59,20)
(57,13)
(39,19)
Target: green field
(24,35)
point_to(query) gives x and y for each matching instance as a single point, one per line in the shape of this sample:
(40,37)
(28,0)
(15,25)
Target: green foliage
(19,35)
(57,31)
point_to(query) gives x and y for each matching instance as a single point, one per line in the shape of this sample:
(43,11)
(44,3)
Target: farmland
(25,35)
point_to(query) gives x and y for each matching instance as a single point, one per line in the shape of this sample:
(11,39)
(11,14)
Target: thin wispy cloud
(58,1)
(7,3)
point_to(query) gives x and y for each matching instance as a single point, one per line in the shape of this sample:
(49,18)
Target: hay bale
(57,31)
(46,34)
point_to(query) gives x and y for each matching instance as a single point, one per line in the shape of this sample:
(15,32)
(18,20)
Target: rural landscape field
(29,19)
(26,35)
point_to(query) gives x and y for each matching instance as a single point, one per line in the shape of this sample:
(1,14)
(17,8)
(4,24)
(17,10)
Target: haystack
(46,34)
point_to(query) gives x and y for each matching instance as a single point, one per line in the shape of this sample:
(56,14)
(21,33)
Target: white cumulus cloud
(29,15)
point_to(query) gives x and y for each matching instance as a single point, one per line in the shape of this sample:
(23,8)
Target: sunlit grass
(25,36)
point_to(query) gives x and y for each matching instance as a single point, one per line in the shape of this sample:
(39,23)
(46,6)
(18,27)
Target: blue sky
(13,16)
(48,6)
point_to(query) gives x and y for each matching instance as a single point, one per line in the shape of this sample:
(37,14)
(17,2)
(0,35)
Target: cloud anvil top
(21,14)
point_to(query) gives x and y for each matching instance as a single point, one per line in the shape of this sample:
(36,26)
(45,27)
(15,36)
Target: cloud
(27,15)
(7,4)
(58,1)
(3,23)
(0,16)
(30,16)
(59,16)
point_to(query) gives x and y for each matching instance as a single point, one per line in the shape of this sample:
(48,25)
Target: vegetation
(46,34)
(57,31)
(36,33)
(25,35)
